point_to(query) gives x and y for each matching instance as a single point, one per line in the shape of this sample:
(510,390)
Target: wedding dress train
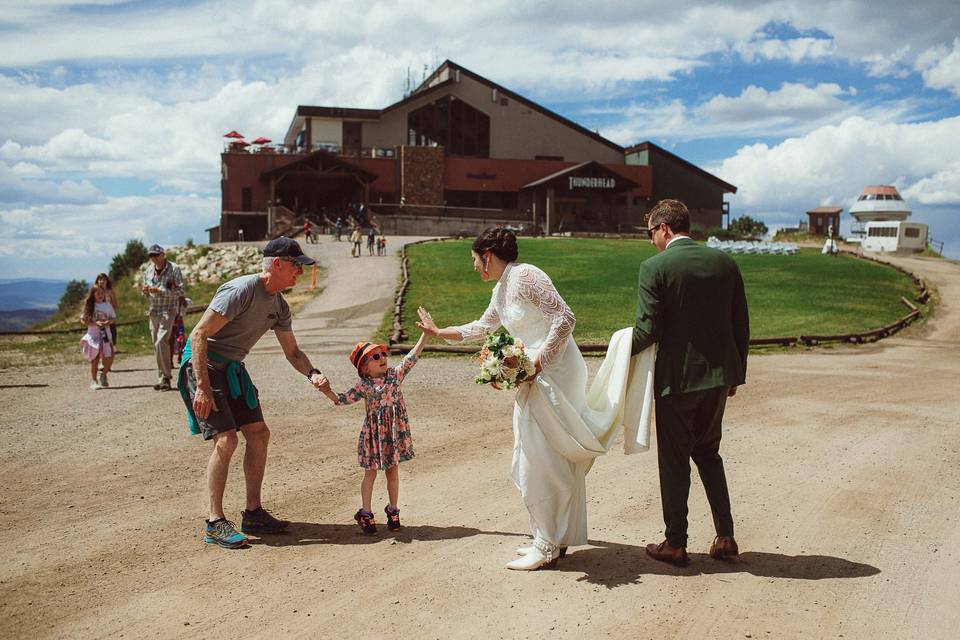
(559,425)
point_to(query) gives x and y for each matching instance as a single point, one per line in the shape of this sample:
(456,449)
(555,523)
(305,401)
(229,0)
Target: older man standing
(163,283)
(217,390)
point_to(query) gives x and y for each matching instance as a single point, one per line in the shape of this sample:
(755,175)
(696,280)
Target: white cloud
(795,50)
(940,67)
(792,109)
(790,101)
(943,187)
(35,239)
(834,163)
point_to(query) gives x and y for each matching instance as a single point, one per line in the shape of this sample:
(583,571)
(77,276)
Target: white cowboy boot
(542,555)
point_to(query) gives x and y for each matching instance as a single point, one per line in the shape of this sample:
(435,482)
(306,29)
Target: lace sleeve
(487,323)
(534,286)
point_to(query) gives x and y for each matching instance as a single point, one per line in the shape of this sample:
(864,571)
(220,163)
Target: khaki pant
(160,327)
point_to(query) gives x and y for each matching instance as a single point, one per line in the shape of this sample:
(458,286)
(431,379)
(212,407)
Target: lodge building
(458,154)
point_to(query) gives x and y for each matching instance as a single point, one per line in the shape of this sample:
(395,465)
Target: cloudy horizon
(113,112)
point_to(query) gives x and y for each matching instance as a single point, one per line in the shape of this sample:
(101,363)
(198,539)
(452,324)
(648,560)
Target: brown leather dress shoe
(724,547)
(665,553)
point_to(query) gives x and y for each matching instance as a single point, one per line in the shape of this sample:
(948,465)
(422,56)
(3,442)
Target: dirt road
(844,467)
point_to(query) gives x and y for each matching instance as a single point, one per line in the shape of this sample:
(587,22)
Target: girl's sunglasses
(375,356)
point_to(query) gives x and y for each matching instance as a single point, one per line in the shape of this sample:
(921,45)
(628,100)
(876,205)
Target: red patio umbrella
(240,143)
(234,134)
(262,140)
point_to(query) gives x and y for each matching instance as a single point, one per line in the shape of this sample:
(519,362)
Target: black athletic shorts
(233,412)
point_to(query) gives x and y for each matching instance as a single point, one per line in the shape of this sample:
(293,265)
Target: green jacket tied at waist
(238,382)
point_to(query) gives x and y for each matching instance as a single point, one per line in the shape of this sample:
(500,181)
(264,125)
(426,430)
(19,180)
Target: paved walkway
(356,294)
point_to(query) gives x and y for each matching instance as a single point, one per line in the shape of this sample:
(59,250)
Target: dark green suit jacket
(692,303)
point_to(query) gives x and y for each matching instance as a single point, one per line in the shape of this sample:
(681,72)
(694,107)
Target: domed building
(881,222)
(880,202)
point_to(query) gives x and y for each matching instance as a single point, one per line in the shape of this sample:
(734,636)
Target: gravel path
(844,467)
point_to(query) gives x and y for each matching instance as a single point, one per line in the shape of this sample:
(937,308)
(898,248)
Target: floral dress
(385,435)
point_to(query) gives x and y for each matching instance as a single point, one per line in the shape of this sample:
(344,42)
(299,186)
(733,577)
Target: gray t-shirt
(250,312)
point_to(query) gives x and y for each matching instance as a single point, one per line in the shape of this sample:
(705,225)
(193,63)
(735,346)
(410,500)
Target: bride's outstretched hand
(426,323)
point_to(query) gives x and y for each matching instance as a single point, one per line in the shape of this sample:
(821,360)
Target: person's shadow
(613,565)
(304,533)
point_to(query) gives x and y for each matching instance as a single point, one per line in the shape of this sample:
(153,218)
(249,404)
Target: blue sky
(112,112)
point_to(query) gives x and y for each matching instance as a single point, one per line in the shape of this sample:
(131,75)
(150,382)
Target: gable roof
(453,66)
(317,160)
(625,182)
(646,146)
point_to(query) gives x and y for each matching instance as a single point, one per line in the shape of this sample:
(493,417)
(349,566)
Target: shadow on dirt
(303,533)
(614,565)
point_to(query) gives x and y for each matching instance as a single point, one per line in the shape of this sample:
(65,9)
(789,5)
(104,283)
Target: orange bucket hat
(363,349)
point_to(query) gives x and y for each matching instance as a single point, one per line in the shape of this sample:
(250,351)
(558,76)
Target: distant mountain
(22,319)
(30,294)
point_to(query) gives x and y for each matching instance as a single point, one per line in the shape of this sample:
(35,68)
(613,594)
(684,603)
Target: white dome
(880,202)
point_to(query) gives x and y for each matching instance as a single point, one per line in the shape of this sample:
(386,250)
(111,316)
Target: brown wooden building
(821,218)
(459,152)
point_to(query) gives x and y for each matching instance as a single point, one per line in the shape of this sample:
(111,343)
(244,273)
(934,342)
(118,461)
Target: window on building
(911,232)
(458,127)
(246,199)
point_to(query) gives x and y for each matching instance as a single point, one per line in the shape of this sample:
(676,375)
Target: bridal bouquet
(503,361)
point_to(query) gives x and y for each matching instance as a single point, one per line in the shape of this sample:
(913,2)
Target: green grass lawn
(806,293)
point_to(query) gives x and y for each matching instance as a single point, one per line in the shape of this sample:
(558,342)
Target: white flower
(493,366)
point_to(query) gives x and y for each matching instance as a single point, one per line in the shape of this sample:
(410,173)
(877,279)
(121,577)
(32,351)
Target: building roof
(424,86)
(593,165)
(425,89)
(318,159)
(878,189)
(646,146)
(338,112)
(826,210)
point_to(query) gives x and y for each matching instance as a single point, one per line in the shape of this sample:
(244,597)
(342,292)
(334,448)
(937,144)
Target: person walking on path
(219,394)
(692,304)
(339,227)
(356,239)
(103,281)
(163,283)
(308,232)
(98,316)
(371,240)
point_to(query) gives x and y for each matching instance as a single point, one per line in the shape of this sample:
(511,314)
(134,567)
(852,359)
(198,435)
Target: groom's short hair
(673,212)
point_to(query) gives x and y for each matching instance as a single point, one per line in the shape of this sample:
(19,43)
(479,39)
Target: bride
(558,429)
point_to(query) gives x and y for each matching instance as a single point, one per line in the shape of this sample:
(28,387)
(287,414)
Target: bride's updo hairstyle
(499,241)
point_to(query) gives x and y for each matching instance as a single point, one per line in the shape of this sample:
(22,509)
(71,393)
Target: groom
(692,304)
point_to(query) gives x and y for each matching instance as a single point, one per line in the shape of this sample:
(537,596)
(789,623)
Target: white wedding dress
(559,426)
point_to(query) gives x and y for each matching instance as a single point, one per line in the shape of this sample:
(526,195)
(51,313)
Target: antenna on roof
(406,83)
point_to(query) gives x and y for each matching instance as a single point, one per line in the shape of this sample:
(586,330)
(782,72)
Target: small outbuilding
(821,219)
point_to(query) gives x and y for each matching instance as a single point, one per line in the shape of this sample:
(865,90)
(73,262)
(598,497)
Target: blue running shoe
(223,533)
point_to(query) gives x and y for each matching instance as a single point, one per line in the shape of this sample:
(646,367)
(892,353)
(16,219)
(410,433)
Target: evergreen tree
(73,295)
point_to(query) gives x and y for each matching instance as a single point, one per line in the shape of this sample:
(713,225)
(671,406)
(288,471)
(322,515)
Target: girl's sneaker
(103,380)
(94,385)
(393,517)
(365,521)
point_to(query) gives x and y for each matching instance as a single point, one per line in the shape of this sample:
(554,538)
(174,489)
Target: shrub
(73,295)
(134,255)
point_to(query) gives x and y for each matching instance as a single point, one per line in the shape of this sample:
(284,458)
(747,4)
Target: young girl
(385,436)
(98,315)
(103,281)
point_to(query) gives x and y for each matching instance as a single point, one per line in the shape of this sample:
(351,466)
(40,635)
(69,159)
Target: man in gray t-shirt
(220,396)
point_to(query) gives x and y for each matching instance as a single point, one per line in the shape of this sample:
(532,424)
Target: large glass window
(458,127)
